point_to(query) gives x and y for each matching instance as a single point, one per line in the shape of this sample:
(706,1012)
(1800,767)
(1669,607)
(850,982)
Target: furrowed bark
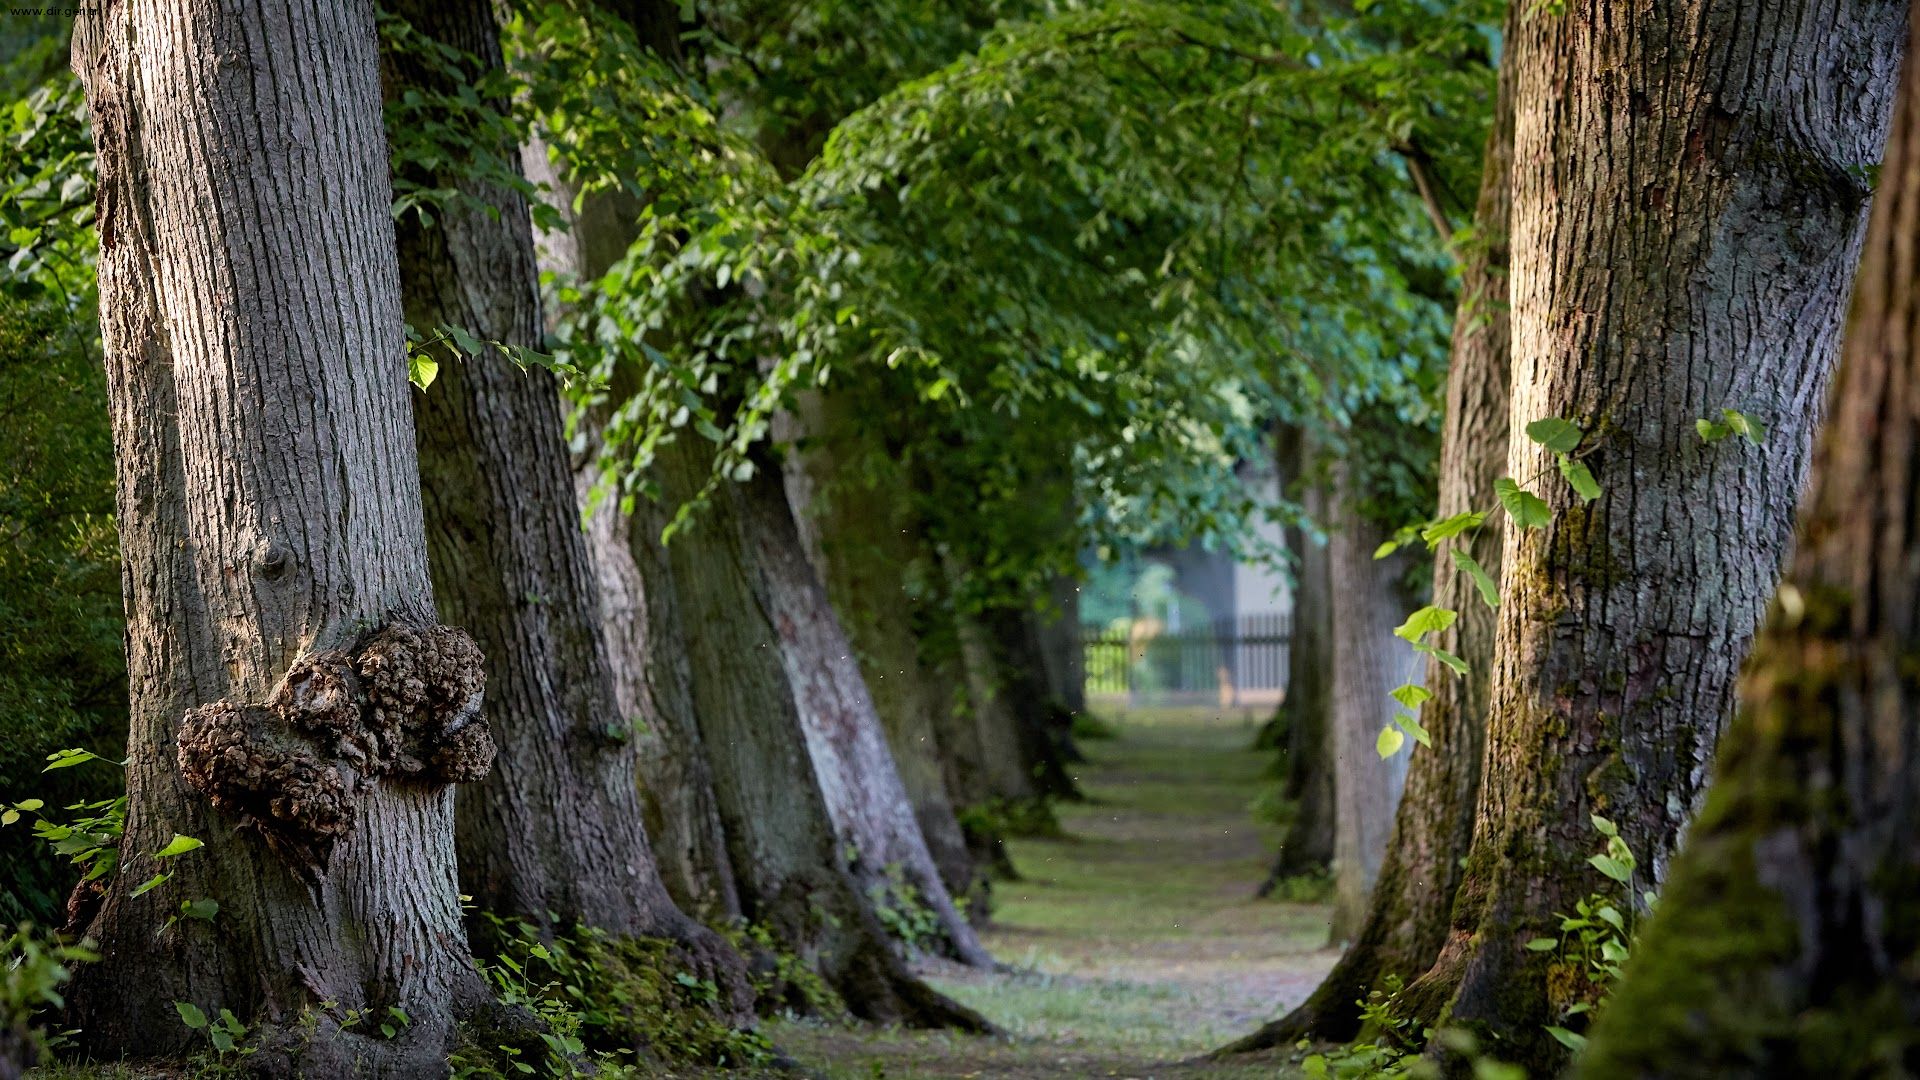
(277,595)
(555,835)
(1368,662)
(863,541)
(780,837)
(1689,195)
(1785,944)
(1412,901)
(866,799)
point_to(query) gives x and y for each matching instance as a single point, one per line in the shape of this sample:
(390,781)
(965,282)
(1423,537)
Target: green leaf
(1568,1039)
(1743,425)
(1386,549)
(466,342)
(29,804)
(1526,509)
(1446,528)
(67,759)
(221,1041)
(149,885)
(1611,867)
(1580,478)
(1711,432)
(179,845)
(1555,434)
(190,1014)
(8,817)
(1428,620)
(1458,665)
(1411,725)
(421,368)
(1389,742)
(1411,696)
(1489,590)
(1544,944)
(1603,826)
(204,910)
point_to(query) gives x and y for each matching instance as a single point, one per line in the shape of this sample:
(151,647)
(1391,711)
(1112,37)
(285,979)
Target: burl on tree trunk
(1678,250)
(556,834)
(294,704)
(1788,940)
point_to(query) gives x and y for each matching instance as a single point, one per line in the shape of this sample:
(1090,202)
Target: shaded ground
(1133,940)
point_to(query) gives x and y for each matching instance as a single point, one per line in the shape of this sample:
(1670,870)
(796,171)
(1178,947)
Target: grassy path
(1133,941)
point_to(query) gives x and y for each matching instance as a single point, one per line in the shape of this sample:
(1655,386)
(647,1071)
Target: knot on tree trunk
(404,702)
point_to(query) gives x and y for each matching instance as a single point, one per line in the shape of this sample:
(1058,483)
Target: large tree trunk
(1678,249)
(278,604)
(865,797)
(1307,847)
(555,834)
(1368,662)
(780,836)
(1785,944)
(863,540)
(652,685)
(1412,902)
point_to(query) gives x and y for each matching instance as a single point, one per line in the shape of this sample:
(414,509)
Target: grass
(1133,941)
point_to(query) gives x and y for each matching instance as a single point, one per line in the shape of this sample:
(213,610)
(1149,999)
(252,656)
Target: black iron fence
(1240,661)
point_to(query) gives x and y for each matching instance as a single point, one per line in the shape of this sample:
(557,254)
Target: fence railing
(1239,661)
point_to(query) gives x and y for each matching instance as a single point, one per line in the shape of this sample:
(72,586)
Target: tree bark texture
(555,834)
(1368,662)
(1788,940)
(1689,196)
(866,798)
(652,684)
(1412,902)
(293,704)
(1307,847)
(864,543)
(781,840)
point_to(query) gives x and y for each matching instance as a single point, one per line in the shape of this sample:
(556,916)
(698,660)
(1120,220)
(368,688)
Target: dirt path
(1133,940)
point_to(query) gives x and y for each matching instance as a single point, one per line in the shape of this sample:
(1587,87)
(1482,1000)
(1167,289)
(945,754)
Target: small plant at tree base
(782,980)
(599,997)
(904,912)
(1593,941)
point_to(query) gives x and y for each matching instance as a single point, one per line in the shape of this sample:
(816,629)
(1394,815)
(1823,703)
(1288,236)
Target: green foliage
(62,674)
(1731,422)
(904,913)
(34,965)
(599,997)
(781,979)
(1526,510)
(1593,941)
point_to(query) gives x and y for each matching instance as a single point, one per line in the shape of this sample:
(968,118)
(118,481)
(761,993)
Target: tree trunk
(1677,250)
(863,541)
(654,686)
(293,703)
(865,797)
(1307,847)
(1015,669)
(555,834)
(1062,651)
(641,629)
(1412,902)
(1368,662)
(1785,944)
(780,837)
